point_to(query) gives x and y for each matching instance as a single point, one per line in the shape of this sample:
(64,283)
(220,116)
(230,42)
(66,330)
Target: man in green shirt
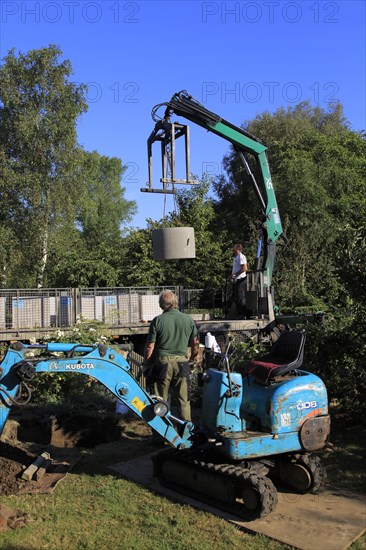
(170,336)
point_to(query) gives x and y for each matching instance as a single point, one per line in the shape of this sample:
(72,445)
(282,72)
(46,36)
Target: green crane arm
(183,104)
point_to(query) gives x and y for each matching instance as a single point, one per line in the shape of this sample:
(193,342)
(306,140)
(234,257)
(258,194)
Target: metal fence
(29,308)
(122,306)
(114,306)
(61,307)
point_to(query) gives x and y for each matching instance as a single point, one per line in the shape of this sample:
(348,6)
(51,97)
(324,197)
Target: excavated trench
(24,432)
(70,430)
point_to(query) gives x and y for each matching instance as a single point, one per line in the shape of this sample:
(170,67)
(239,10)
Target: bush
(336,353)
(58,388)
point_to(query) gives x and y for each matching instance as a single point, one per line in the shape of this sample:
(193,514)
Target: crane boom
(184,105)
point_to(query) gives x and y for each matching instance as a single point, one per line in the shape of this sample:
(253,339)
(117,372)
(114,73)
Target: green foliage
(336,352)
(39,106)
(351,248)
(318,166)
(69,387)
(103,208)
(62,207)
(138,268)
(87,251)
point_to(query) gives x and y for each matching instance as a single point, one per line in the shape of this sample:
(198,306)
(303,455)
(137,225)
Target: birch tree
(39,155)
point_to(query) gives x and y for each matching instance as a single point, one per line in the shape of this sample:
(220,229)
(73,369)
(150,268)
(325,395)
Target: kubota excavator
(255,426)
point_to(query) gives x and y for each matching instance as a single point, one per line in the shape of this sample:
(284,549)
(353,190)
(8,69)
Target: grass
(102,512)
(345,461)
(93,509)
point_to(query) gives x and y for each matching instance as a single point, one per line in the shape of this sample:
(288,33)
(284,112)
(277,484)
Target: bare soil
(13,461)
(101,438)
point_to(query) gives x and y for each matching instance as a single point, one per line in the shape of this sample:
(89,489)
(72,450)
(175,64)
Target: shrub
(336,353)
(71,387)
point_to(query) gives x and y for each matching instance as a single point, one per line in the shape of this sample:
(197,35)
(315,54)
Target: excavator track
(303,472)
(230,487)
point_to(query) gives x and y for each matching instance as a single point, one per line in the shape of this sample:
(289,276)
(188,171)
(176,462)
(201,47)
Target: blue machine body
(255,420)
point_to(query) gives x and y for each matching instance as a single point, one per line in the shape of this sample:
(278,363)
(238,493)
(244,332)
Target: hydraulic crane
(167,132)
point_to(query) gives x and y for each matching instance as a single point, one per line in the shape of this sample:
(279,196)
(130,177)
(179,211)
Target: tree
(87,251)
(63,208)
(318,167)
(138,268)
(39,154)
(103,209)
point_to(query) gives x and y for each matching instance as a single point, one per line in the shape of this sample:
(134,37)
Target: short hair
(168,300)
(238,247)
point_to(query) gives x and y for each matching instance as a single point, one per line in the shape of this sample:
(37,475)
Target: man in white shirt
(238,276)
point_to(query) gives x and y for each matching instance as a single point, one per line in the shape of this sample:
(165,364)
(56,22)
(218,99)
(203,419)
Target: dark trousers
(172,372)
(239,289)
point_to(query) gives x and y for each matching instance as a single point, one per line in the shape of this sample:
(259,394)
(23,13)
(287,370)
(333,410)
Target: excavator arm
(184,105)
(22,362)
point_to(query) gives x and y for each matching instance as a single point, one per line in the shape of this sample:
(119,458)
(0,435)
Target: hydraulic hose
(14,400)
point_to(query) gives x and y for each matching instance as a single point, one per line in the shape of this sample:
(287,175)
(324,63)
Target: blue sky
(238,58)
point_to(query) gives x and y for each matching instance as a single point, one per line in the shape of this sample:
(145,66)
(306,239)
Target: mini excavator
(256,426)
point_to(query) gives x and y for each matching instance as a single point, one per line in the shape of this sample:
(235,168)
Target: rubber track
(316,469)
(238,474)
(313,465)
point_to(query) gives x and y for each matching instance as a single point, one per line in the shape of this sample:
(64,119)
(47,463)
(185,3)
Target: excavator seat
(287,354)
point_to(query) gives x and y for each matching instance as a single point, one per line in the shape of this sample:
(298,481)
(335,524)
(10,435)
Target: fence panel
(24,308)
(120,306)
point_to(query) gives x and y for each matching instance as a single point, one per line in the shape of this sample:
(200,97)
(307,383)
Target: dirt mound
(13,461)
(12,519)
